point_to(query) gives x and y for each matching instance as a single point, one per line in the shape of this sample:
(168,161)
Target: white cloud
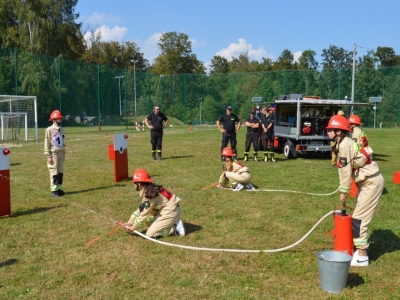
(150,47)
(109,34)
(297,55)
(196,44)
(234,50)
(101,18)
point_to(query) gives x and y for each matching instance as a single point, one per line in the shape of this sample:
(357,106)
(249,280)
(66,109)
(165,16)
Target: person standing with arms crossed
(267,123)
(252,124)
(229,129)
(54,149)
(158,122)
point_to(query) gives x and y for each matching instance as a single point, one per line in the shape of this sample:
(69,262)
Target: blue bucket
(333,267)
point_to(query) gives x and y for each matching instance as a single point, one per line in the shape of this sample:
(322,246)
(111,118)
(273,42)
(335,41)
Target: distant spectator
(84,118)
(228,129)
(158,121)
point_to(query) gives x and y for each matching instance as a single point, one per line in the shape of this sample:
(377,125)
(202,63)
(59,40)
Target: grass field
(42,252)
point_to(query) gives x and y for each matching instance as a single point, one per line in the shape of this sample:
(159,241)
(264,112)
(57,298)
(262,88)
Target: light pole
(119,85)
(201,99)
(134,80)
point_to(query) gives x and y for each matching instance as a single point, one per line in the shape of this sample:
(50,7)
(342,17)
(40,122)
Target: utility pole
(119,85)
(353,78)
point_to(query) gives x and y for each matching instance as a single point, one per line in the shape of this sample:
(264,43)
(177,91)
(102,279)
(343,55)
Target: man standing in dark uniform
(229,129)
(252,124)
(267,123)
(158,122)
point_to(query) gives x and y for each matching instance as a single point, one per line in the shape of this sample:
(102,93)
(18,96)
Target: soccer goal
(18,118)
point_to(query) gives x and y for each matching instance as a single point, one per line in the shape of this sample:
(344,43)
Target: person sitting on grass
(235,174)
(159,209)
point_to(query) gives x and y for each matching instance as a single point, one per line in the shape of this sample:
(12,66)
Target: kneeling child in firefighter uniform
(355,163)
(235,174)
(159,209)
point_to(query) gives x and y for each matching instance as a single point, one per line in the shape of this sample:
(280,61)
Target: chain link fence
(91,93)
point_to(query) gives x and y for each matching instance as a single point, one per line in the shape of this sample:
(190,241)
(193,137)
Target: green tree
(387,57)
(368,60)
(176,56)
(307,60)
(266,64)
(335,58)
(219,64)
(47,27)
(285,61)
(113,54)
(308,67)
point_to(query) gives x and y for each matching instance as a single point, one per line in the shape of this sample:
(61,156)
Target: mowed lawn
(42,245)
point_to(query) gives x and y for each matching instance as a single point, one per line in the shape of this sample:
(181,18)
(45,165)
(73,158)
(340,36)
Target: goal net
(18,118)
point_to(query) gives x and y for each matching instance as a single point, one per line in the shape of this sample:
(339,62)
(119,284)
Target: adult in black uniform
(267,123)
(158,122)
(252,124)
(229,129)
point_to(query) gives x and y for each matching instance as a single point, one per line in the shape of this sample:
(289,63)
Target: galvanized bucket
(333,267)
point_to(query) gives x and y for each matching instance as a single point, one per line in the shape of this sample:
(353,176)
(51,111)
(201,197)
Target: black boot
(255,155)
(153,156)
(159,155)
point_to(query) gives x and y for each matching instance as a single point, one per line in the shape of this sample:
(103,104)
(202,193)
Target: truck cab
(300,123)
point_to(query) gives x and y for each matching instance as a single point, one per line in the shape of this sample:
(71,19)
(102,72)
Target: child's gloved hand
(343,197)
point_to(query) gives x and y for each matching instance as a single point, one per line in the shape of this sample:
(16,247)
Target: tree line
(51,28)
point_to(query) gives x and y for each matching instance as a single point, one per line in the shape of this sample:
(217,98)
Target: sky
(262,28)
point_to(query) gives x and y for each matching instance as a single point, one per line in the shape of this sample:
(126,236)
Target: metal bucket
(333,267)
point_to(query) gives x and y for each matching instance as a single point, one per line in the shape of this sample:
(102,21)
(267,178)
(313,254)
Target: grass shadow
(7,262)
(354,280)
(177,157)
(98,188)
(382,241)
(192,228)
(35,211)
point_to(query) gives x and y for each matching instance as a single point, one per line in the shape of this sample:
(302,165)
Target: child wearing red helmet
(354,163)
(159,209)
(358,135)
(54,149)
(235,174)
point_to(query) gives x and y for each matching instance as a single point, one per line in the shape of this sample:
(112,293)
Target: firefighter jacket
(164,203)
(354,163)
(359,137)
(238,167)
(54,140)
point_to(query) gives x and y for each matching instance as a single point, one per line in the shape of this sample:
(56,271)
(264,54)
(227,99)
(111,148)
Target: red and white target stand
(5,195)
(118,152)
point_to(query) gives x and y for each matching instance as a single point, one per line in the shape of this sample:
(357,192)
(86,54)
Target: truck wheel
(286,150)
(289,150)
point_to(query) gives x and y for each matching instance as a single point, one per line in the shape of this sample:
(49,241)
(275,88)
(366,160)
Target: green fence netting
(108,95)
